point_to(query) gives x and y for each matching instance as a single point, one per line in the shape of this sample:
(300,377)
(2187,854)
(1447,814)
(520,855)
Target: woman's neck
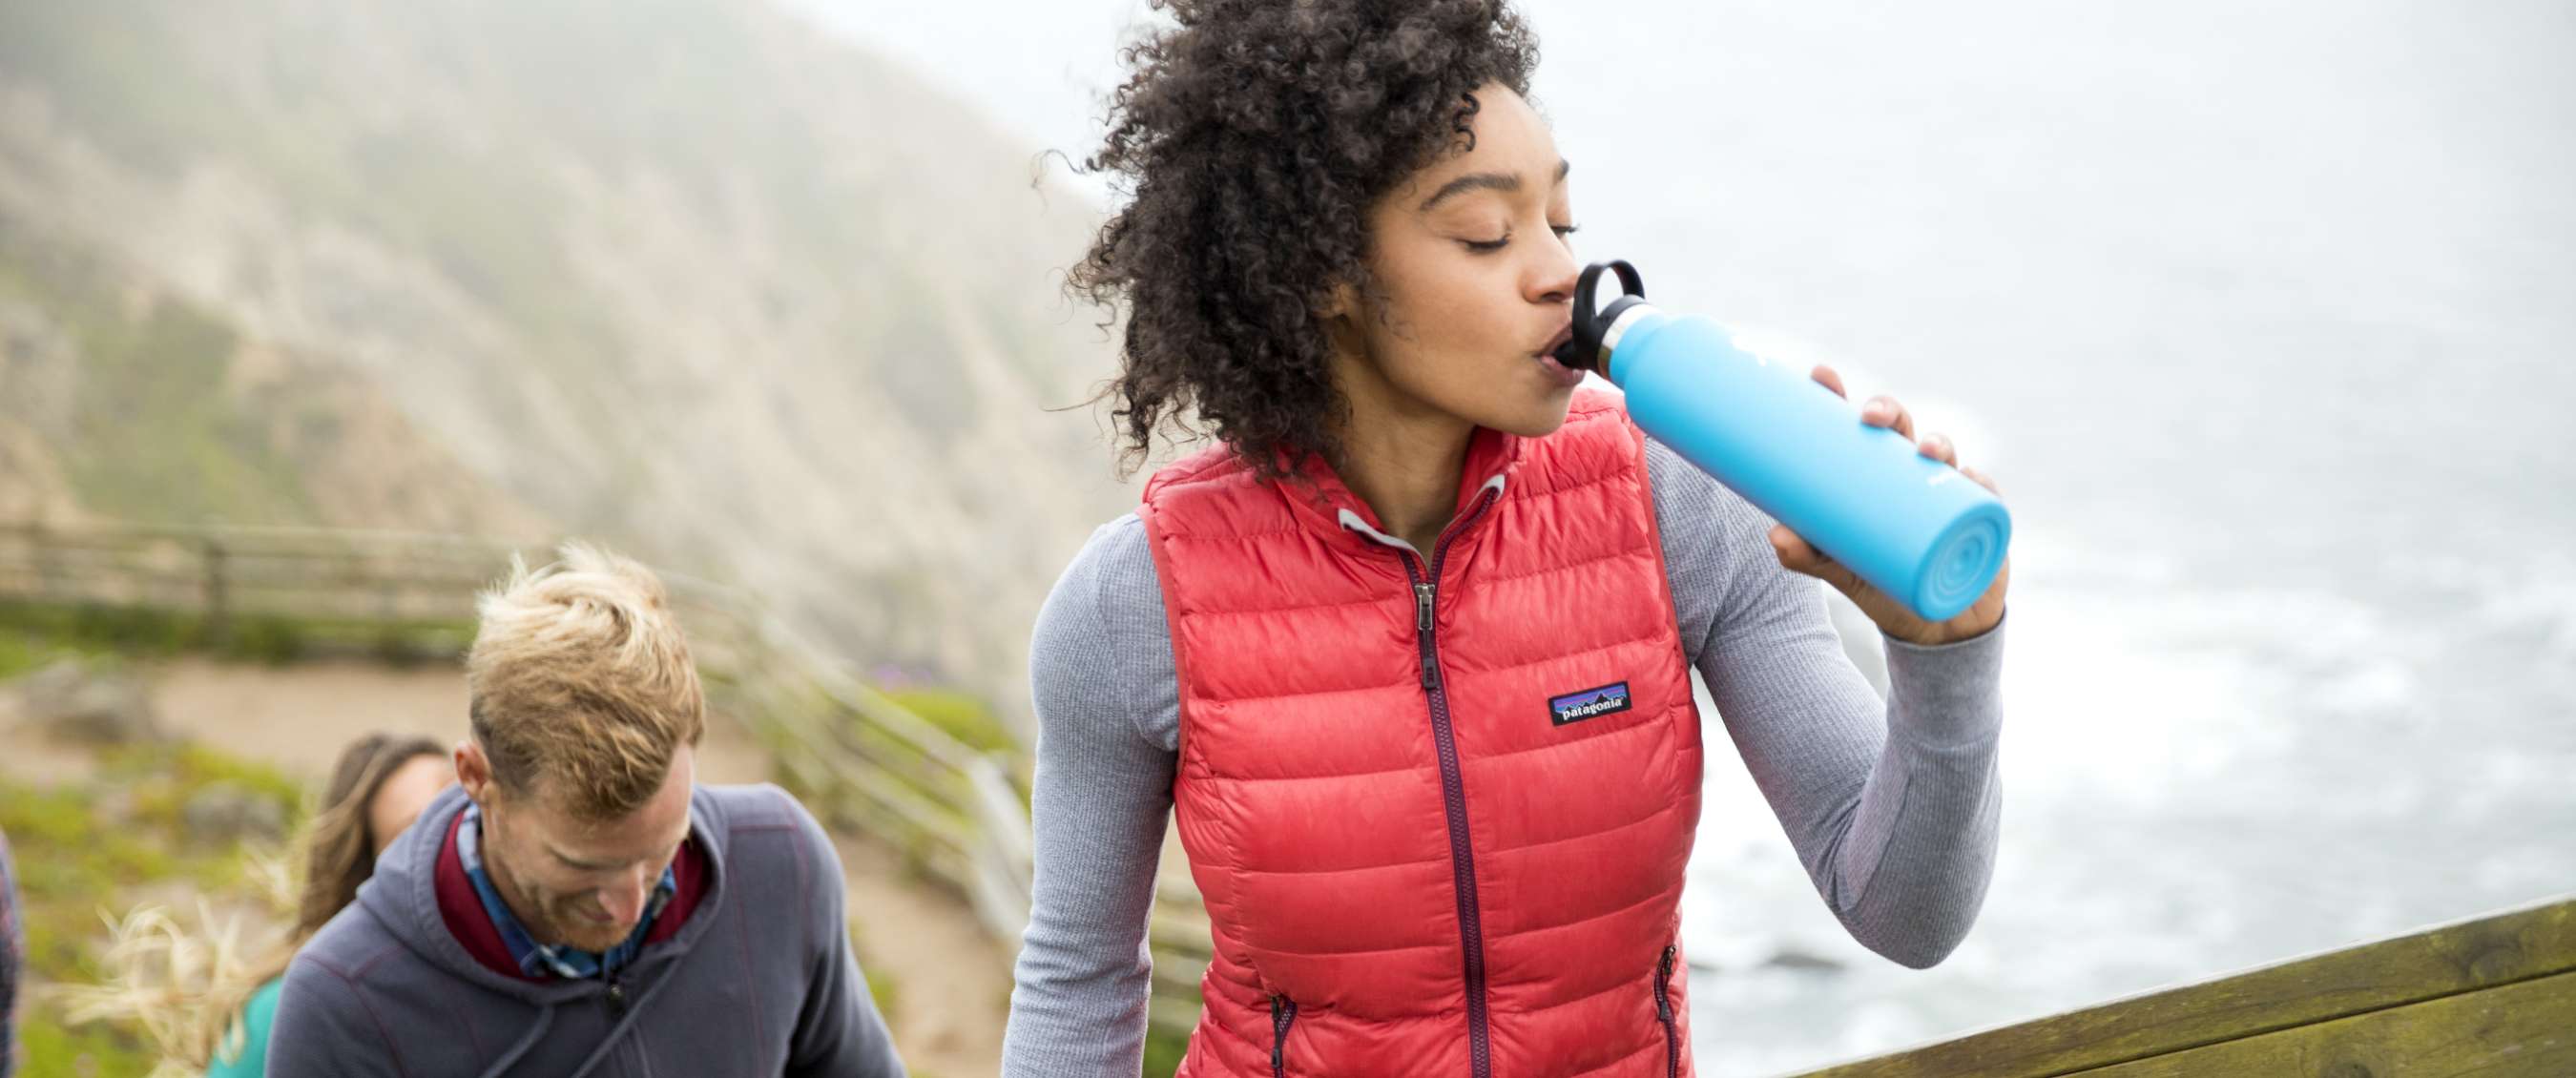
(1400,457)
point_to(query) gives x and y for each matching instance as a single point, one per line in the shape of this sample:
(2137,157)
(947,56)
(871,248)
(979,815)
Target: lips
(1563,334)
(1565,376)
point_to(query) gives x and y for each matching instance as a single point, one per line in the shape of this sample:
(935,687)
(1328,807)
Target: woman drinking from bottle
(1406,650)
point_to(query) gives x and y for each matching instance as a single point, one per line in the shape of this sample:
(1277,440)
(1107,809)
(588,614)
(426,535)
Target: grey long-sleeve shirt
(1892,807)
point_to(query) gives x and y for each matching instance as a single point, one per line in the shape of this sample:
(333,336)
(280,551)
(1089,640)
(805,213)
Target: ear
(474,772)
(1340,302)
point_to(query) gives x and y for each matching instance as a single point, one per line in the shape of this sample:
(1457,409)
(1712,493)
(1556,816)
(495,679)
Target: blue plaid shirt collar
(543,959)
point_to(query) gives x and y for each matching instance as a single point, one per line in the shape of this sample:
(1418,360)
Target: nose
(625,899)
(1553,275)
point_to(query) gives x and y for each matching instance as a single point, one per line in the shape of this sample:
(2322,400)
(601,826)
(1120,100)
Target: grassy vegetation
(884,988)
(960,715)
(1163,1051)
(32,634)
(82,849)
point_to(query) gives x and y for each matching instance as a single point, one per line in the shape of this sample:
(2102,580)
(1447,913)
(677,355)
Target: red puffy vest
(1439,802)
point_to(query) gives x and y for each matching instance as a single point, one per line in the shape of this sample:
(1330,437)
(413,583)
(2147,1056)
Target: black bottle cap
(1582,349)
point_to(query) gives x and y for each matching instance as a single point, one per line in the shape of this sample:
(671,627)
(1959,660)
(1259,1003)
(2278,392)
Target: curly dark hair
(1249,141)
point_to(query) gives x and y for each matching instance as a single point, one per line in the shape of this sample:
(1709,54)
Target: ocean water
(2266,322)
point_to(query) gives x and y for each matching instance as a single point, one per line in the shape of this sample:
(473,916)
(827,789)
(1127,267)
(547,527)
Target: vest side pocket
(1283,1014)
(1664,1012)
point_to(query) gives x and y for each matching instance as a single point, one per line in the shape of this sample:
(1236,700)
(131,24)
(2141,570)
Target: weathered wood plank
(2525,1030)
(2487,952)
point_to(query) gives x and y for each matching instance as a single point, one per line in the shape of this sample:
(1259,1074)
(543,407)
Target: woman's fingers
(1793,551)
(1938,447)
(1797,556)
(1886,412)
(1830,379)
(1877,411)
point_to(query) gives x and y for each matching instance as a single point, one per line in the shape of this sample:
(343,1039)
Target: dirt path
(951,983)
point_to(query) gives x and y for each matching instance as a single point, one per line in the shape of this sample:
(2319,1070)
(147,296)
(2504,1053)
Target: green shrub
(961,716)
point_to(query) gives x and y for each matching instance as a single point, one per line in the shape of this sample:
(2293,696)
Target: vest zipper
(1453,790)
(1283,1014)
(1664,1014)
(616,997)
(1424,595)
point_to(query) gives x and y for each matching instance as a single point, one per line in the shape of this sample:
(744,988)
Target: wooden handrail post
(48,564)
(218,622)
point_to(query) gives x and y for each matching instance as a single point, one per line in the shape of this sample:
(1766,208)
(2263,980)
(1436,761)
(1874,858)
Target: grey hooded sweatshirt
(758,981)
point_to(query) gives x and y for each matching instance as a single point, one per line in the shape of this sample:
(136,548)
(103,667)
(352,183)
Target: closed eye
(1486,247)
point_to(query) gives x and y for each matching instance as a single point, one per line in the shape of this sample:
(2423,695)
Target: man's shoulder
(754,809)
(324,1022)
(350,947)
(756,806)
(773,851)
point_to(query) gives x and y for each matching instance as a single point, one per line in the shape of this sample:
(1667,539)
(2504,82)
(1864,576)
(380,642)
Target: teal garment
(257,1015)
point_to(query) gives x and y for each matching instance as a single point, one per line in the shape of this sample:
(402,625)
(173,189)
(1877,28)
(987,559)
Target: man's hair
(581,684)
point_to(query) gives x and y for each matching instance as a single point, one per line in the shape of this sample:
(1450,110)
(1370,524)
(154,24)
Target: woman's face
(1477,282)
(405,793)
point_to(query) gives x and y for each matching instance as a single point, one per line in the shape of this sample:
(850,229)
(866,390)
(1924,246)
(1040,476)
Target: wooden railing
(857,757)
(327,581)
(2494,996)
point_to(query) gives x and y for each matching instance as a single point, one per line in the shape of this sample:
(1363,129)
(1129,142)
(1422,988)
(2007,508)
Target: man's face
(570,880)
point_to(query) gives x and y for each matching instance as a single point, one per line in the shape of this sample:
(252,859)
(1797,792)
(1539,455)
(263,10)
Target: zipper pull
(1279,1013)
(1424,595)
(1663,995)
(616,997)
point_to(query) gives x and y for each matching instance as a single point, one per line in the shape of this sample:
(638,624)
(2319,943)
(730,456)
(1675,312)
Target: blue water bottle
(1913,527)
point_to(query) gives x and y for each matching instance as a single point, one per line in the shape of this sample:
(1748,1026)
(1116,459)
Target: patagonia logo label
(1578,706)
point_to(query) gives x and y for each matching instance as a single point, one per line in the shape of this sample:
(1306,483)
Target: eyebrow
(599,866)
(577,862)
(1507,182)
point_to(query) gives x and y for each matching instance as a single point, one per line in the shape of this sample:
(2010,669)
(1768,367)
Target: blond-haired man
(577,905)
